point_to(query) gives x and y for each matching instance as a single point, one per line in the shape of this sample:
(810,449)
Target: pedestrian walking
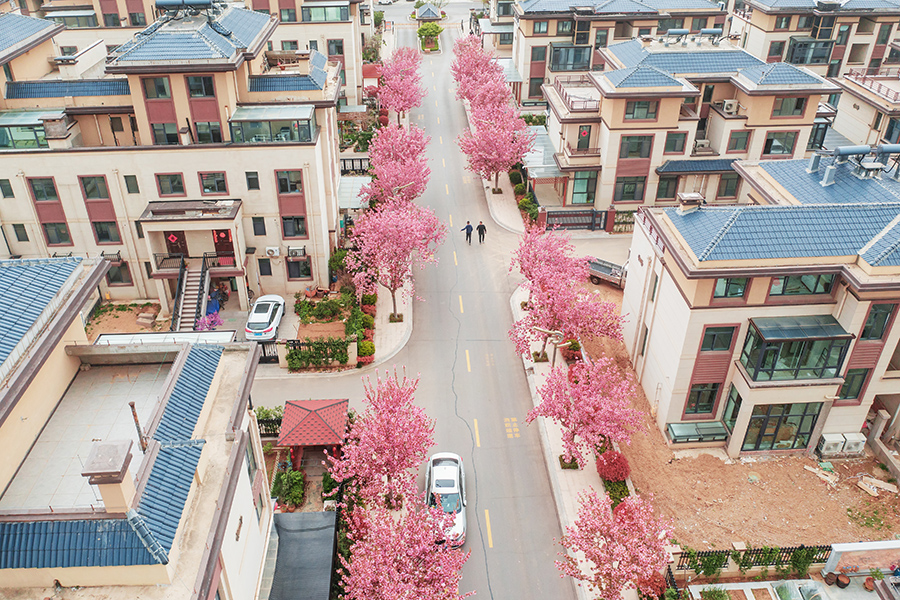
(481,231)
(468,230)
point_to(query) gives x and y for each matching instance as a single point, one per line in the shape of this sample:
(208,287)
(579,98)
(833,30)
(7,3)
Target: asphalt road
(472,382)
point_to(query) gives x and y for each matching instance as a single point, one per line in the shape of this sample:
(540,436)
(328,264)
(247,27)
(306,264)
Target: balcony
(884,81)
(578,92)
(570,151)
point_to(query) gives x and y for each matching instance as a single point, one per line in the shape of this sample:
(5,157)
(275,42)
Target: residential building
(829,37)
(179,510)
(761,327)
(553,38)
(670,117)
(187,142)
(869,108)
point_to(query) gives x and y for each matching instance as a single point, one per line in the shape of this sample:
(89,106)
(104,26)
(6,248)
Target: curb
(408,312)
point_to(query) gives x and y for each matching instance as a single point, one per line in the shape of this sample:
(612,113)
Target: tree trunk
(398,118)
(497,179)
(394,301)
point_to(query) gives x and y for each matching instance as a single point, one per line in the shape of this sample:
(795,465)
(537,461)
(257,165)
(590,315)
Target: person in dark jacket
(481,231)
(468,230)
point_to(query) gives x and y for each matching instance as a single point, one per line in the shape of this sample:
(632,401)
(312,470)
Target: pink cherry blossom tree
(398,164)
(592,404)
(387,442)
(400,88)
(391,239)
(472,67)
(500,140)
(397,558)
(618,547)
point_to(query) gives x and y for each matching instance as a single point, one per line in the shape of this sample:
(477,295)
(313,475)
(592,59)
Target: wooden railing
(168,261)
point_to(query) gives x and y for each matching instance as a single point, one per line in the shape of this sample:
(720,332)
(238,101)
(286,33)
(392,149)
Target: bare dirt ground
(316,331)
(118,318)
(766,501)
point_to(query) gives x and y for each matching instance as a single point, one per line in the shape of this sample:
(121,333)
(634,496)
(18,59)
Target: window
(717,339)
(698,23)
(252,180)
(131,184)
(288,15)
(666,24)
(314,45)
(299,269)
(6,189)
(534,87)
(675,142)
(75,22)
(728,185)
(792,359)
(732,409)
(877,321)
(68,50)
(540,27)
(505,39)
(892,131)
(640,109)
(165,134)
(600,38)
(111,20)
(289,45)
(884,33)
(43,189)
(106,232)
(21,233)
(170,184)
(570,58)
(776,50)
(139,229)
(801,285)
(156,88)
(653,285)
(783,22)
(876,124)
(865,25)
(789,107)
(781,426)
(738,141)
(842,36)
(137,19)
(201,87)
(265,266)
(853,383)
(702,399)
(644,334)
(667,188)
(504,9)
(322,14)
(335,47)
(115,123)
(259,226)
(293,227)
(629,189)
(119,275)
(708,91)
(733,287)
(209,133)
(290,182)
(809,52)
(538,53)
(94,188)
(780,142)
(584,187)
(805,22)
(57,234)
(213,183)
(565,27)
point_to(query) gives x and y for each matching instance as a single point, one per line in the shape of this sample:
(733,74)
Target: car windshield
(257,326)
(450,503)
(260,318)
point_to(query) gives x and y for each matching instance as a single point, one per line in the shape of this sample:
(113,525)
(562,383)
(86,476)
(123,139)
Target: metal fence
(269,352)
(670,581)
(269,427)
(589,219)
(758,557)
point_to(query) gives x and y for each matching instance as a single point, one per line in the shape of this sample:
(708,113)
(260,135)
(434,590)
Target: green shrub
(355,324)
(336,261)
(519,189)
(302,307)
(365,348)
(318,353)
(269,413)
(617,490)
(328,483)
(525,204)
(348,290)
(515,177)
(378,19)
(369,299)
(327,309)
(289,487)
(574,346)
(368,321)
(714,593)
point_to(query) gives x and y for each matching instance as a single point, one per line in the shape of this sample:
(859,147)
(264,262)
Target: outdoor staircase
(187,304)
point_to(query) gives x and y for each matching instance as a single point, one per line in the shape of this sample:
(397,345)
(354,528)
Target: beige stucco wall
(99,576)
(855,118)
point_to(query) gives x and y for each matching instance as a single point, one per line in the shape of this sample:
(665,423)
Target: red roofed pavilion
(314,423)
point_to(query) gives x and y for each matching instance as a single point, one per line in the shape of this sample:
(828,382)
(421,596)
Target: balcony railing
(581,151)
(213,260)
(871,79)
(168,261)
(113,257)
(563,85)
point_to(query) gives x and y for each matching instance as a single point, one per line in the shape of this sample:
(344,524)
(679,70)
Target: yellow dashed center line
(440,139)
(454,258)
(435,103)
(460,312)
(439,120)
(443,162)
(447,187)
(487,522)
(468,363)
(477,439)
(451,220)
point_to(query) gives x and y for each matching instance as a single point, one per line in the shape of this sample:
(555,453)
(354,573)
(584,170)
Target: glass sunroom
(788,348)
(263,124)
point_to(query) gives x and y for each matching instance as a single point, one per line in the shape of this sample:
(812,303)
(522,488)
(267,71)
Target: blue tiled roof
(776,231)
(15,28)
(26,288)
(641,76)
(317,59)
(428,11)
(780,74)
(805,188)
(623,7)
(846,6)
(82,543)
(285,83)
(166,491)
(63,88)
(709,165)
(615,6)
(236,28)
(189,394)
(631,54)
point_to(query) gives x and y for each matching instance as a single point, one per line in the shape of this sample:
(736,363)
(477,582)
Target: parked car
(265,317)
(603,270)
(445,482)
(385,1)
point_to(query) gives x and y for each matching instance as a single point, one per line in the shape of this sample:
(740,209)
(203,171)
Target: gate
(354,166)
(589,219)
(269,352)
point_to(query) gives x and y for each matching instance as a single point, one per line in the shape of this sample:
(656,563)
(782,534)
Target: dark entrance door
(224,246)
(176,243)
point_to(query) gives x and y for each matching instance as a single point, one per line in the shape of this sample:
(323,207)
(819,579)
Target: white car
(445,482)
(265,316)
(385,1)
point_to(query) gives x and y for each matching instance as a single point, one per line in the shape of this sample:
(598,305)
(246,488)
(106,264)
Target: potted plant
(288,488)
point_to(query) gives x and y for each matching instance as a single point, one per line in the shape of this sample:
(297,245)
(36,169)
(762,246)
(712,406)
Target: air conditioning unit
(273,251)
(730,107)
(854,443)
(701,144)
(296,251)
(830,444)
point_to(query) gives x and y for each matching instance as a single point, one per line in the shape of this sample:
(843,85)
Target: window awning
(28,118)
(70,13)
(288,112)
(807,327)
(348,192)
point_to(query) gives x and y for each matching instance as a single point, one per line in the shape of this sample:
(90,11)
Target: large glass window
(290,182)
(732,287)
(698,23)
(667,188)
(213,183)
(111,20)
(584,187)
(165,134)
(209,133)
(717,339)
(57,234)
(636,146)
(170,184)
(293,227)
(822,27)
(31,136)
(137,19)
(538,53)
(288,15)
(335,47)
(75,22)
(6,189)
(789,107)
(43,189)
(540,27)
(728,185)
(565,27)
(781,426)
(800,285)
(809,52)
(629,189)
(701,399)
(107,232)
(21,232)
(732,409)
(534,87)
(601,38)
(842,36)
(259,226)
(260,132)
(666,24)
(94,188)
(157,87)
(504,9)
(641,109)
(252,180)
(892,131)
(776,49)
(792,359)
(131,184)
(780,142)
(675,142)
(570,58)
(877,321)
(884,33)
(299,269)
(738,141)
(322,14)
(853,383)
(201,87)
(119,275)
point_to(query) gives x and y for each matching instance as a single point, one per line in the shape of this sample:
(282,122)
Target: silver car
(265,317)
(445,482)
